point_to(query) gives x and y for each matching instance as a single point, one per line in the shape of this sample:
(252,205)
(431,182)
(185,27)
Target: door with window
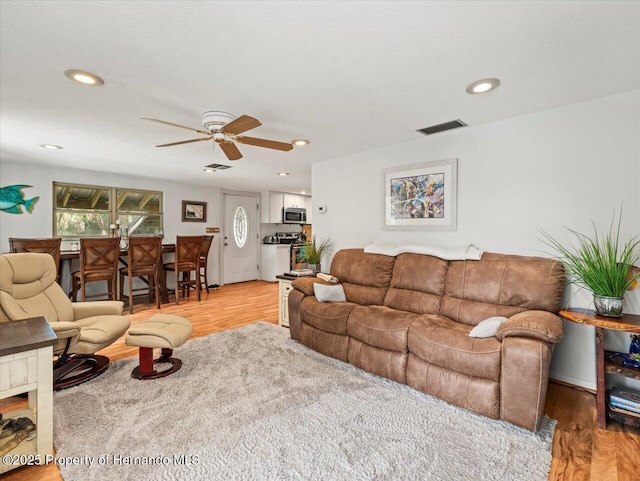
(241,233)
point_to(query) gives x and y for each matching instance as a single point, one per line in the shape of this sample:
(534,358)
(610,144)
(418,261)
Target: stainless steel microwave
(294,215)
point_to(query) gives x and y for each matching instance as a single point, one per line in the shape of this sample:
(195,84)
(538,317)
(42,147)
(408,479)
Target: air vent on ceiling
(434,129)
(218,166)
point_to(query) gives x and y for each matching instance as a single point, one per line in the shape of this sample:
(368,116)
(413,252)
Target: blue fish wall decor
(12,197)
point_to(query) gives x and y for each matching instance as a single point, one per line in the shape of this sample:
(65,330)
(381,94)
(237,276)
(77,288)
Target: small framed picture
(421,196)
(193,211)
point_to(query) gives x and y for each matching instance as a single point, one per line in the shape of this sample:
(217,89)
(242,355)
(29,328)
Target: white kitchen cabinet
(294,200)
(272,203)
(276,260)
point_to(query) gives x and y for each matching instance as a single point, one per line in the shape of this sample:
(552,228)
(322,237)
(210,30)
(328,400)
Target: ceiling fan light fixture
(51,147)
(300,142)
(208,169)
(483,86)
(85,78)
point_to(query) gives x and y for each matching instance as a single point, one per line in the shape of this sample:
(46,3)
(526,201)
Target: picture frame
(421,196)
(194,211)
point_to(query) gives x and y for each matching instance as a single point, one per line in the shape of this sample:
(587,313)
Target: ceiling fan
(224,129)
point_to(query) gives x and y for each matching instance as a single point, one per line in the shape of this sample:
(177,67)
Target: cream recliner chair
(28,288)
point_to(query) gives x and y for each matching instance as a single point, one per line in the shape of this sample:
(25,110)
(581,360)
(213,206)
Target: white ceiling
(349,76)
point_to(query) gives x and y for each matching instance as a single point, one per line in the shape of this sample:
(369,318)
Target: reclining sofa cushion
(447,344)
(326,316)
(365,277)
(501,285)
(381,327)
(417,284)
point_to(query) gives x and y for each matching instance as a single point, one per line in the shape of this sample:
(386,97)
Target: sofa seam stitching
(454,348)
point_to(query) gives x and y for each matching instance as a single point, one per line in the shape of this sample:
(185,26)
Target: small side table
(284,287)
(628,323)
(26,365)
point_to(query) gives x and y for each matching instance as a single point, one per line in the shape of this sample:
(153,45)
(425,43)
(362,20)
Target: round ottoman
(159,331)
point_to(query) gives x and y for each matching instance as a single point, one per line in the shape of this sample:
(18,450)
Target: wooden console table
(628,323)
(26,365)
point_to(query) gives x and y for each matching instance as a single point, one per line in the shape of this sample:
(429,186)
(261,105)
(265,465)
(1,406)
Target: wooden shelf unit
(626,323)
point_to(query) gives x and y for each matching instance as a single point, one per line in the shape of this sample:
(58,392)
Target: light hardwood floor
(581,451)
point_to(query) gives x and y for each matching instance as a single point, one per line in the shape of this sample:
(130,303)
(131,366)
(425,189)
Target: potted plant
(603,264)
(313,252)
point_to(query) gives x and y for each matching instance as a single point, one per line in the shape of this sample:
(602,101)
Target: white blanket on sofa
(469,252)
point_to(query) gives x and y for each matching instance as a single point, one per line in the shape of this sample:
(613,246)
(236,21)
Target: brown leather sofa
(408,318)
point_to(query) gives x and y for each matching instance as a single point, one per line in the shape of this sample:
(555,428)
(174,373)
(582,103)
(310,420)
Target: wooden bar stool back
(186,261)
(49,246)
(98,262)
(143,261)
(204,256)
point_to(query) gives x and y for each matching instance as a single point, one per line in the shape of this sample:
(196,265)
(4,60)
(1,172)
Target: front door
(241,233)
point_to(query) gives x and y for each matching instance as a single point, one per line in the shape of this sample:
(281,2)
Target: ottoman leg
(146,371)
(146,361)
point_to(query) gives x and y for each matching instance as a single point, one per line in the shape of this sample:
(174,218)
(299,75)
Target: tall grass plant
(600,262)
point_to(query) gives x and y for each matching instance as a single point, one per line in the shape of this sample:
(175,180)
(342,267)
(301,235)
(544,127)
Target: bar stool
(204,256)
(143,260)
(186,261)
(98,262)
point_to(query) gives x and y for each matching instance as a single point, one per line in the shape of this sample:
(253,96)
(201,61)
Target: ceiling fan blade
(185,142)
(230,150)
(241,124)
(269,144)
(203,132)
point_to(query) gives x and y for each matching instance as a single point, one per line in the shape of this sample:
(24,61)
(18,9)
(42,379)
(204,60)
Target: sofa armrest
(82,310)
(305,284)
(64,329)
(542,325)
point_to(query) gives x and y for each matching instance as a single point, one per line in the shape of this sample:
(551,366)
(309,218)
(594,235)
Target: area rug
(252,404)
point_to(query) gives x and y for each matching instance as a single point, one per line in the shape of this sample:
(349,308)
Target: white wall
(545,170)
(40,222)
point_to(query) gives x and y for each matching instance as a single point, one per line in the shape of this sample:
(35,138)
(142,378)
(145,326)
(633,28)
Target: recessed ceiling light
(300,142)
(483,86)
(283,173)
(85,78)
(50,147)
(208,169)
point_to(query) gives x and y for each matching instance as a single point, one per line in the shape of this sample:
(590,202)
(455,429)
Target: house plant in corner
(313,252)
(603,264)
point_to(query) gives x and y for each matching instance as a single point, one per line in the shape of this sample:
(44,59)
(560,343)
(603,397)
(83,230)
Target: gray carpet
(251,404)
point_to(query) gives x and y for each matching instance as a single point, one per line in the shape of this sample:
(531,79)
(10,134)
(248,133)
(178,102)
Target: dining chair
(98,262)
(186,261)
(204,256)
(49,246)
(144,256)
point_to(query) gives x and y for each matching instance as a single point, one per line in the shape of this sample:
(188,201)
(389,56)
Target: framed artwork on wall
(193,211)
(421,196)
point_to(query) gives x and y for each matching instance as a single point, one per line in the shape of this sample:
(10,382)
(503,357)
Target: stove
(288,237)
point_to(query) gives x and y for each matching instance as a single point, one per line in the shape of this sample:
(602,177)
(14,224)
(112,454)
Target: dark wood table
(626,323)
